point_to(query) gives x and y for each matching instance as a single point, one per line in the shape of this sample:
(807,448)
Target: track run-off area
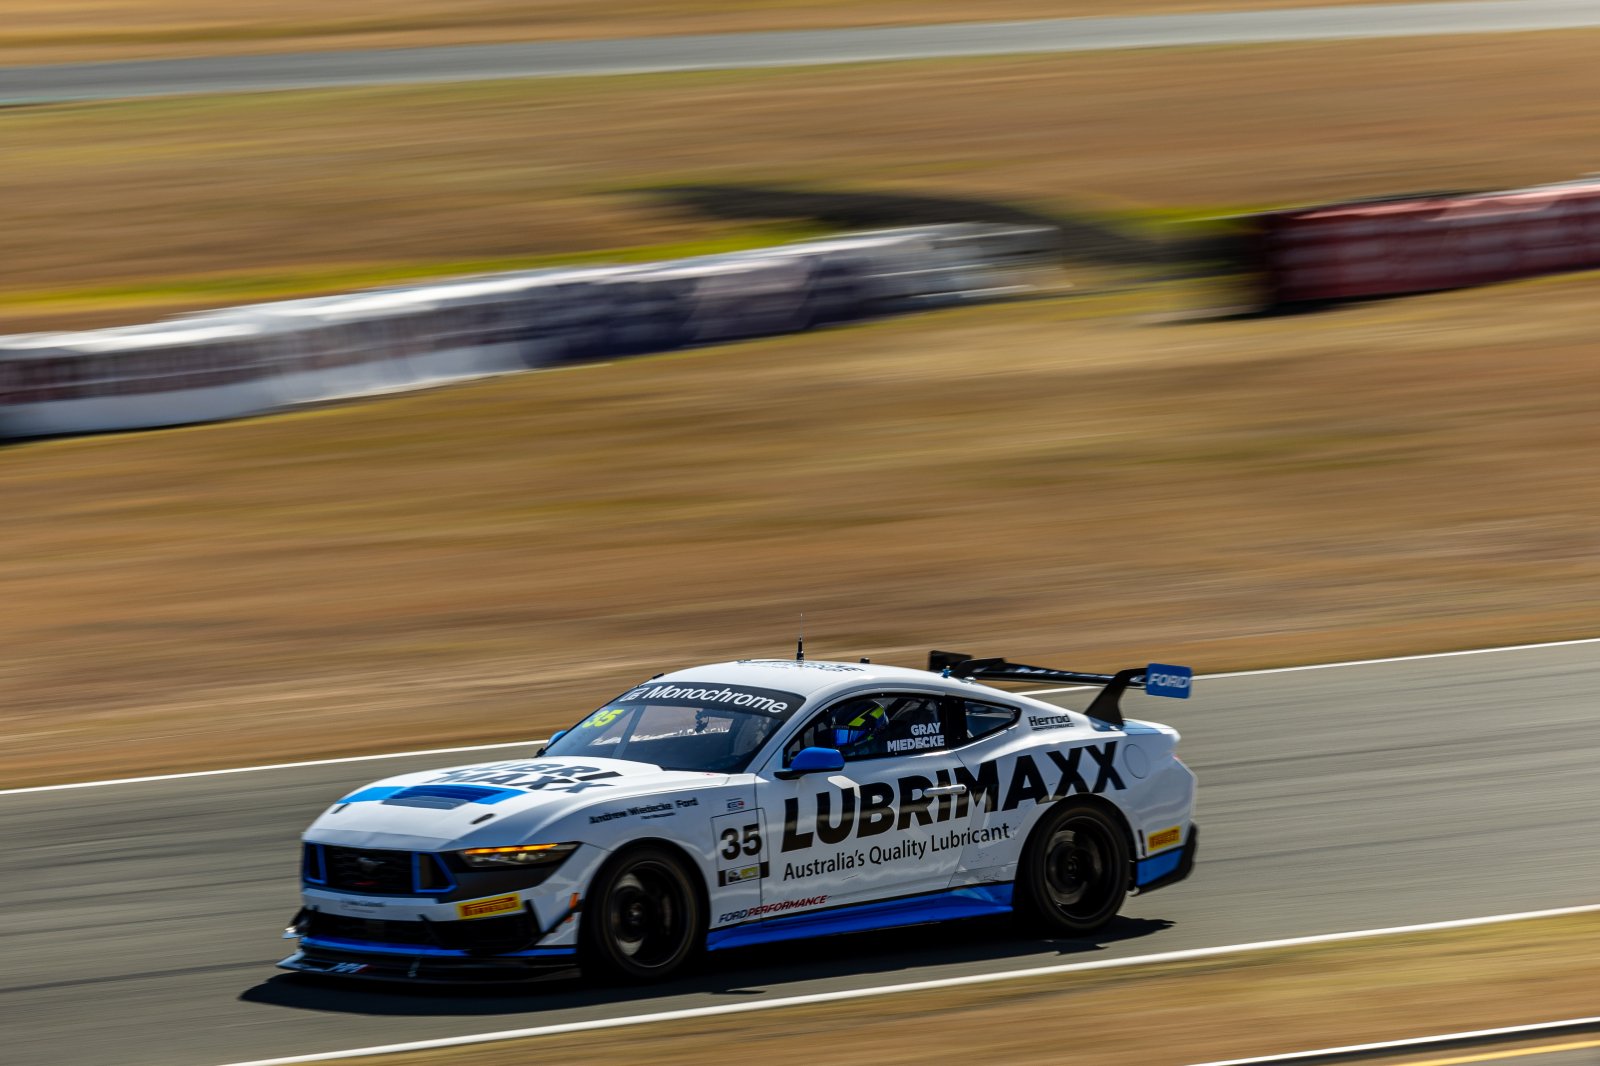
(143,916)
(778,48)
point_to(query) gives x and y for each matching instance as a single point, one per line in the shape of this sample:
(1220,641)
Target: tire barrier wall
(248,360)
(1427,243)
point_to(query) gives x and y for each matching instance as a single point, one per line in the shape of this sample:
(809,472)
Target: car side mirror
(812,761)
(557,735)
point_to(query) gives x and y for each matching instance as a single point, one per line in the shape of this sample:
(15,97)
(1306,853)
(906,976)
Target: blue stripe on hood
(441,796)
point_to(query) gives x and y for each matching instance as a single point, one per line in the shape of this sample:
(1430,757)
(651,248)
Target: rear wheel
(1074,872)
(643,920)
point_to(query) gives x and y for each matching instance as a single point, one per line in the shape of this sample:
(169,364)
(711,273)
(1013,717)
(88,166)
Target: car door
(872,830)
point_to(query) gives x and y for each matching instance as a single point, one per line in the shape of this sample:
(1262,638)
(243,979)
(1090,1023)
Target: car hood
(496,804)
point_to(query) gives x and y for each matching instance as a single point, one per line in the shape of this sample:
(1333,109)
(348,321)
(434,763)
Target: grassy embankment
(482,562)
(1167,1015)
(59,31)
(1042,479)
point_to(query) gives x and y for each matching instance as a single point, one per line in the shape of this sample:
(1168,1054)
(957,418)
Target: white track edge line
(911,986)
(268,766)
(1418,1042)
(1373,662)
(529,743)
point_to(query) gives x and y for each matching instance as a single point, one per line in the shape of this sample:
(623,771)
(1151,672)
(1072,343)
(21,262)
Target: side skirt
(971,901)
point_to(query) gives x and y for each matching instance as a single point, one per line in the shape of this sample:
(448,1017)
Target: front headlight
(517,857)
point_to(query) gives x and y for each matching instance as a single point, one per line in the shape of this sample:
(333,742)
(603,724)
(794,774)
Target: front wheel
(1074,872)
(643,919)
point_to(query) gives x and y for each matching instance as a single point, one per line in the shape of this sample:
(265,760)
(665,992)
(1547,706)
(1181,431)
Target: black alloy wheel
(1074,873)
(643,919)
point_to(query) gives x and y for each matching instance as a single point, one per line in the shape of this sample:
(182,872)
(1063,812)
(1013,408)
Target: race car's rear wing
(1157,679)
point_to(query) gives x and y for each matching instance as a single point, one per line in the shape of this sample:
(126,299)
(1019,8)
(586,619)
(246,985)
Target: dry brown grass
(485,562)
(54,31)
(482,563)
(1271,1003)
(126,208)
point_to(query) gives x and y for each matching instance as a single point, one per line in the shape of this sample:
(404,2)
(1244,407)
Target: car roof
(817,678)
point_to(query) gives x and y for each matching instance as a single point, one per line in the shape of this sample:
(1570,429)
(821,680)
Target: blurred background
(1114,461)
(1210,404)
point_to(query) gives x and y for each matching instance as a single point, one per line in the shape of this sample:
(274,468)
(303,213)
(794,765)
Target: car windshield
(681,726)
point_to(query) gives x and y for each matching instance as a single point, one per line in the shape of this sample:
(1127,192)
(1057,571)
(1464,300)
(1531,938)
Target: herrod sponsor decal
(710,694)
(483,908)
(1164,839)
(533,776)
(1048,721)
(911,849)
(764,909)
(833,816)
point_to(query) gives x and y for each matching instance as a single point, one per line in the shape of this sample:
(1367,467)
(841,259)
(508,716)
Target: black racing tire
(644,919)
(1073,875)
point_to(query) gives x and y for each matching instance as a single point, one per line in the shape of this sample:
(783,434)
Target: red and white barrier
(1345,251)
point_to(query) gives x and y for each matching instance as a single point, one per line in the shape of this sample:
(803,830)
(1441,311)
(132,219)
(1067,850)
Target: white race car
(749,802)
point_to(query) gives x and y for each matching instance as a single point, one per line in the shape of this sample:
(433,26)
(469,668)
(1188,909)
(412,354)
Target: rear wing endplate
(1157,679)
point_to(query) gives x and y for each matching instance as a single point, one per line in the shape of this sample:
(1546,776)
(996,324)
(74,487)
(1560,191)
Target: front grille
(511,932)
(370,929)
(381,872)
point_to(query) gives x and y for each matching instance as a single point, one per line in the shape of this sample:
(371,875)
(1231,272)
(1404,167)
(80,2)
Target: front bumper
(362,962)
(503,948)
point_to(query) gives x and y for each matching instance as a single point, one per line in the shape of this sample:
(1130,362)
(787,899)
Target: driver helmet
(858,724)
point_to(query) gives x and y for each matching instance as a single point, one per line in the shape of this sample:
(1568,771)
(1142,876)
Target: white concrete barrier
(247,360)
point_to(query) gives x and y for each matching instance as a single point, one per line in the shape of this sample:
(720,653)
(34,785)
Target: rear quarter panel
(1051,756)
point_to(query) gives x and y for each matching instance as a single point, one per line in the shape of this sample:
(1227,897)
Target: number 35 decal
(737,839)
(746,841)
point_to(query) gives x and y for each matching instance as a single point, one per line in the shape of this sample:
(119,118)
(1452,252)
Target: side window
(985,718)
(873,727)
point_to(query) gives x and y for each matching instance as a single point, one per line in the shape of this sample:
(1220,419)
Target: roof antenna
(800,644)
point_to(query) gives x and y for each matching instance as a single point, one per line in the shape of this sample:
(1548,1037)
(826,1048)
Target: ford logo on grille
(369,866)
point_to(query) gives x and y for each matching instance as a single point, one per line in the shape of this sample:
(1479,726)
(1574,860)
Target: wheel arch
(599,953)
(693,866)
(1087,799)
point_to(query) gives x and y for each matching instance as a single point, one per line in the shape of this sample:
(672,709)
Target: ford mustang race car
(750,802)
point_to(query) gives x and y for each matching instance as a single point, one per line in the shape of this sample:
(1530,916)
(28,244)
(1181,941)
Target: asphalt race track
(142,920)
(90,81)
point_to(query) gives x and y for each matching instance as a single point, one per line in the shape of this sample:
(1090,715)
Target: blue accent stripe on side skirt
(970,902)
(1158,866)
